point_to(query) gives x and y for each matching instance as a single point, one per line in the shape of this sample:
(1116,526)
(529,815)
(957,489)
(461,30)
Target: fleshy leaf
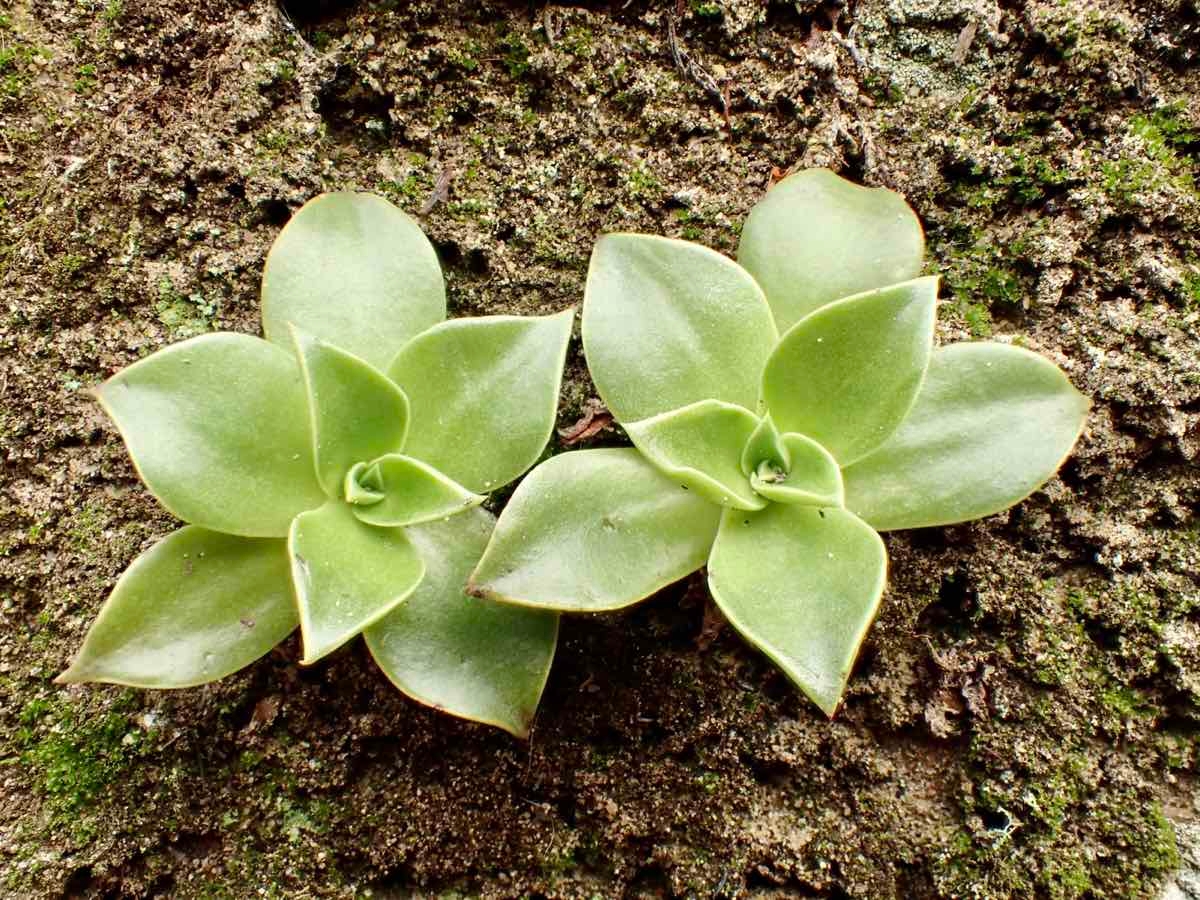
(473,658)
(217,429)
(802,585)
(411,492)
(353,270)
(484,393)
(816,237)
(847,375)
(347,575)
(700,446)
(195,607)
(765,445)
(991,425)
(667,323)
(356,412)
(812,479)
(594,530)
(358,491)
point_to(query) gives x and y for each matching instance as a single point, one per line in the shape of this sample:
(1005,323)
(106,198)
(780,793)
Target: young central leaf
(667,323)
(802,585)
(410,492)
(347,575)
(362,485)
(356,412)
(700,446)
(765,445)
(811,479)
(815,238)
(847,375)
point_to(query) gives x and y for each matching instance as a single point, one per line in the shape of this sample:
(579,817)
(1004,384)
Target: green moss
(514,54)
(87,525)
(86,80)
(704,9)
(274,142)
(74,754)
(642,184)
(17,57)
(184,316)
(1190,289)
(578,41)
(69,265)
(1164,161)
(466,56)
(1069,881)
(413,188)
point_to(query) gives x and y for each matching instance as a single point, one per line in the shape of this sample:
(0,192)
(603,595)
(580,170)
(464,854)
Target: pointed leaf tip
(701,446)
(481,661)
(594,530)
(411,492)
(667,323)
(195,607)
(991,425)
(802,585)
(347,575)
(484,393)
(216,427)
(847,374)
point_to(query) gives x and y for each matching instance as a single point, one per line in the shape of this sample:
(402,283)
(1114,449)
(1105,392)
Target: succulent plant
(783,411)
(331,476)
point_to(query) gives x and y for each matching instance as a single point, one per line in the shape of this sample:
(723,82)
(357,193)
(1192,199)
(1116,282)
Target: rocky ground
(1024,720)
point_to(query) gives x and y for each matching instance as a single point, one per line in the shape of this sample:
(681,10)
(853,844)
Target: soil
(1024,719)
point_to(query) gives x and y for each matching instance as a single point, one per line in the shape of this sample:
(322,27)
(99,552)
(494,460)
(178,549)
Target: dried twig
(692,69)
(441,191)
(591,423)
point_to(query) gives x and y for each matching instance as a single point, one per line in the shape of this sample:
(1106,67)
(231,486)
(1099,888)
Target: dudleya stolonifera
(331,476)
(784,409)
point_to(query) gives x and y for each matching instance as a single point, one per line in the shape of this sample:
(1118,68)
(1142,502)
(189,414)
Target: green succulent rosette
(332,476)
(784,410)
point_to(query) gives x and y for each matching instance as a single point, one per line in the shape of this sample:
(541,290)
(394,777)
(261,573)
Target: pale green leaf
(847,375)
(347,575)
(765,445)
(484,393)
(193,608)
(408,491)
(667,323)
(701,446)
(217,429)
(802,585)
(356,412)
(473,658)
(816,237)
(353,270)
(594,530)
(991,425)
(811,479)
